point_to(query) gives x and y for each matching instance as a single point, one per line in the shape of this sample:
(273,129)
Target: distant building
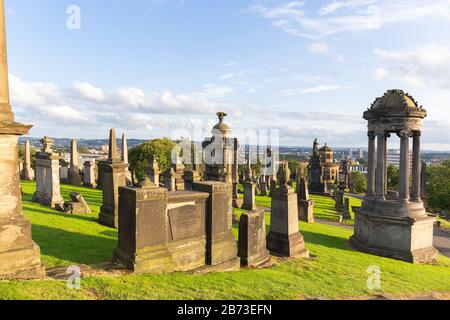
(360,154)
(393,158)
(358,167)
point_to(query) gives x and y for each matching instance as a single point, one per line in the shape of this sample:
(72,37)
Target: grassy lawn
(334,270)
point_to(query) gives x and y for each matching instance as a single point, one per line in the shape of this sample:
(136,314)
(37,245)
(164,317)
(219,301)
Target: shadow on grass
(326,240)
(45,210)
(72,246)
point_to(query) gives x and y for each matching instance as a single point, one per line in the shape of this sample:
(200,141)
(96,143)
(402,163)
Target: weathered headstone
(47,176)
(249,196)
(170,179)
(252,240)
(113,177)
(190,177)
(63,171)
(154,171)
(77,206)
(89,174)
(74,171)
(19,255)
(347,209)
(305,204)
(124,157)
(27,171)
(284,238)
(263,186)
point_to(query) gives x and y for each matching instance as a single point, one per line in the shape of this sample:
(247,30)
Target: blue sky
(306,68)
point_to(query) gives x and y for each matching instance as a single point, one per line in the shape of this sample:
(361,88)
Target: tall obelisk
(20,257)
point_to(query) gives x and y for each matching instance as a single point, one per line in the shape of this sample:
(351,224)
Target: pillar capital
(404,134)
(417,133)
(371,134)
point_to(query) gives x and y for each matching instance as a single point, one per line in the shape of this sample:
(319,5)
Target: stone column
(74,171)
(416,167)
(404,166)
(5,108)
(28,172)
(381,158)
(371,166)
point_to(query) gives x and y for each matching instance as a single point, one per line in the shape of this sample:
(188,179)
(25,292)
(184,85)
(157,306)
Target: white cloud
(318,47)
(316,89)
(380,73)
(349,16)
(229,64)
(427,65)
(89,91)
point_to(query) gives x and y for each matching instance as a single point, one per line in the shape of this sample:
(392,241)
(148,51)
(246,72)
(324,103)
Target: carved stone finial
(47,144)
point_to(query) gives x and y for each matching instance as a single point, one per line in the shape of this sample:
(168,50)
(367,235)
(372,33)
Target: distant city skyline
(306,68)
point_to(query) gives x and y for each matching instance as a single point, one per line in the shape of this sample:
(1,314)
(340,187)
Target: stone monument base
(46,201)
(306,210)
(19,256)
(107,217)
(403,238)
(156,259)
(283,245)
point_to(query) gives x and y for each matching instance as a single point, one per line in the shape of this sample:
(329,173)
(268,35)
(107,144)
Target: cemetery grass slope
(334,270)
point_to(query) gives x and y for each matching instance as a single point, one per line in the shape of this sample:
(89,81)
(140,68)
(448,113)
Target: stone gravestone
(273,187)
(249,196)
(89,174)
(170,179)
(191,177)
(154,172)
(305,204)
(113,177)
(162,231)
(124,157)
(263,186)
(63,171)
(347,209)
(77,206)
(252,240)
(27,172)
(284,238)
(74,171)
(19,256)
(47,176)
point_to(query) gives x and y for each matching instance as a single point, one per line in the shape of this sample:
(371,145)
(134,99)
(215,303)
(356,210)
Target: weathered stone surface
(19,256)
(63,171)
(77,206)
(113,177)
(305,204)
(190,177)
(27,171)
(89,174)
(397,228)
(74,170)
(221,246)
(252,240)
(284,238)
(347,209)
(249,196)
(47,176)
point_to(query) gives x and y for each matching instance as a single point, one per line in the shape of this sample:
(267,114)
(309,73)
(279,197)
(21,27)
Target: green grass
(334,270)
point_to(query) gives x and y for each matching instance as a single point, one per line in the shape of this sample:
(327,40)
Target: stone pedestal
(19,255)
(221,247)
(306,211)
(47,180)
(89,175)
(284,238)
(63,171)
(252,240)
(249,196)
(113,178)
(142,245)
(347,209)
(403,238)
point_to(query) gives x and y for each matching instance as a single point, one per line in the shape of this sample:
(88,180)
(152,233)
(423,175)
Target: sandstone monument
(74,170)
(19,256)
(89,174)
(47,176)
(161,231)
(398,228)
(305,204)
(113,177)
(77,206)
(63,171)
(154,171)
(284,238)
(252,240)
(124,157)
(27,171)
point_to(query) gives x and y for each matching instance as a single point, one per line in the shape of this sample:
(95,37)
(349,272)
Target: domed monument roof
(326,148)
(395,110)
(222,126)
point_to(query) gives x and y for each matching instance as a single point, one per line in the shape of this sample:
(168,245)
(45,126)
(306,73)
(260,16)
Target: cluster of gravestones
(190,229)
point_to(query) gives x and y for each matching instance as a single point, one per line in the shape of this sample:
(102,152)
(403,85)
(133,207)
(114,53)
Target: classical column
(404,165)
(416,167)
(371,165)
(381,164)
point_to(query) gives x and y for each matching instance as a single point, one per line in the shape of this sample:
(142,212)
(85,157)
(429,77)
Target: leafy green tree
(359,181)
(393,177)
(140,156)
(438,186)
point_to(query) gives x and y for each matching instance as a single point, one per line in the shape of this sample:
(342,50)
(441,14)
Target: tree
(359,181)
(438,186)
(393,177)
(140,156)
